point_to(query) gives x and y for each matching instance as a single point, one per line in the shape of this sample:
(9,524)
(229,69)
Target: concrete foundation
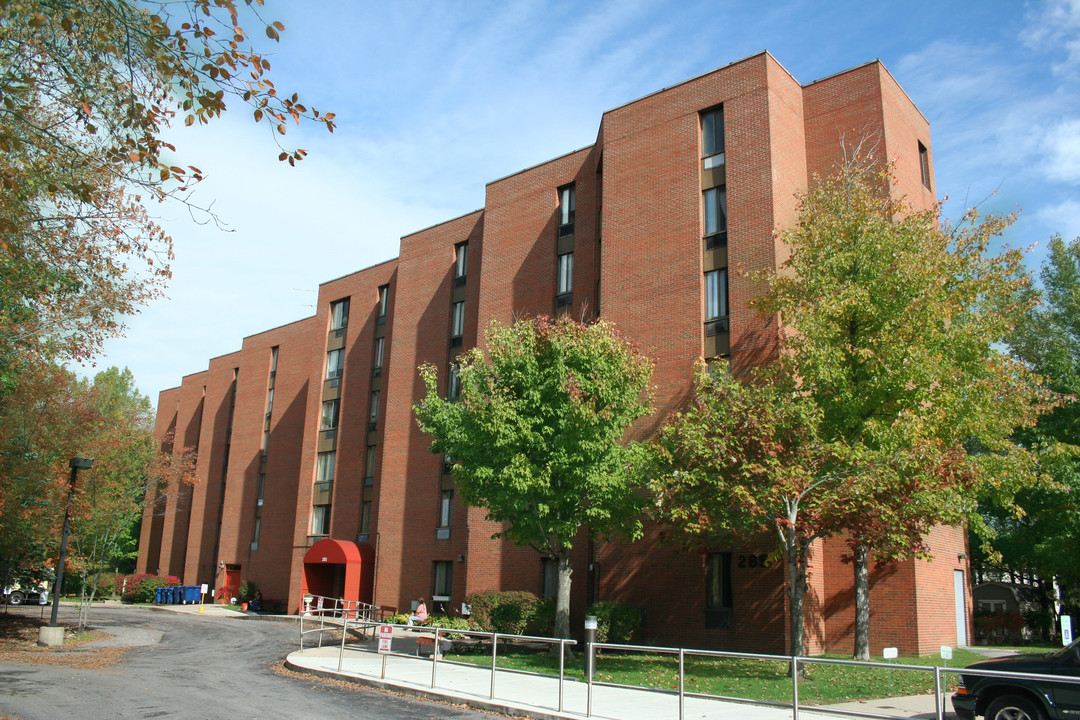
(51,636)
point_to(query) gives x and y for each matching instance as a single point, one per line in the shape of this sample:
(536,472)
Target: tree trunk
(562,601)
(862,605)
(796,590)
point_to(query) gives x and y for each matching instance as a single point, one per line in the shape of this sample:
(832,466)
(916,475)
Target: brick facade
(268,475)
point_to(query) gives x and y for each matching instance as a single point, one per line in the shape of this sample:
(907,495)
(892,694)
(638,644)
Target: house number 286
(752,561)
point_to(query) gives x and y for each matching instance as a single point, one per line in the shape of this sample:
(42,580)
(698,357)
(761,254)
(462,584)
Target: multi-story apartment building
(313,475)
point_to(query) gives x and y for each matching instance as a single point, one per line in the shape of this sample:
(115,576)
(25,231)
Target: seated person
(419,614)
(256,602)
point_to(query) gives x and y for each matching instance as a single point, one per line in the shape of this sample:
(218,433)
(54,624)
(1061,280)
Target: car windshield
(1063,652)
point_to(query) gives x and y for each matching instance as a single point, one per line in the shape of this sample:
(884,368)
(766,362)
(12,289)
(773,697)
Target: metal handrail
(495,638)
(795,661)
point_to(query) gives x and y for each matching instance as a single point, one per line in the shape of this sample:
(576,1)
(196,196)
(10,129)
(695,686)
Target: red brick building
(313,476)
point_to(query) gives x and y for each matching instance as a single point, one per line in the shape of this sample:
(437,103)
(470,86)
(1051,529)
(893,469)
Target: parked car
(1004,698)
(18,595)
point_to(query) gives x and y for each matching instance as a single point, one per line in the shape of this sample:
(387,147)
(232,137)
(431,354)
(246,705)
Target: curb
(474,703)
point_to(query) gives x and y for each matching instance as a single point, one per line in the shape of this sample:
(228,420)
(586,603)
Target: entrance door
(959,595)
(232,583)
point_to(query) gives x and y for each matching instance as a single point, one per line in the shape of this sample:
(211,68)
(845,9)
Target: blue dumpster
(191,593)
(159,595)
(174,596)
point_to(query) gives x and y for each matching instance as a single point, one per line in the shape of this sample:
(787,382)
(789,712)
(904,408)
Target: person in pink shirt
(420,614)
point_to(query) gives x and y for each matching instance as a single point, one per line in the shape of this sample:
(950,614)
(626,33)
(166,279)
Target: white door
(961,607)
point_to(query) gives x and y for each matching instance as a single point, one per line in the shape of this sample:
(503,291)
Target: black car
(1004,698)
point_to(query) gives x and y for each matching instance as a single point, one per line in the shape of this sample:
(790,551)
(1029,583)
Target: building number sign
(752,561)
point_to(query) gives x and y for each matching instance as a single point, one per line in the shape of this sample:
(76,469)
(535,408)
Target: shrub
(141,587)
(247,591)
(514,612)
(615,622)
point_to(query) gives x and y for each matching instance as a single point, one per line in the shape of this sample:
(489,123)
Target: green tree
(745,460)
(893,324)
(1042,539)
(86,89)
(536,436)
(128,464)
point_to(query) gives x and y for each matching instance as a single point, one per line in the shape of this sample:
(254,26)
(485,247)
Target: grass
(737,677)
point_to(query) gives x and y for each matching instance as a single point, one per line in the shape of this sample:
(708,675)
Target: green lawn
(738,677)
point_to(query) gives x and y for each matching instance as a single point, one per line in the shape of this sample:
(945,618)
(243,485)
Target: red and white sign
(386,634)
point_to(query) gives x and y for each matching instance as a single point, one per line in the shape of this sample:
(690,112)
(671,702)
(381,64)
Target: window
(324,470)
(384,297)
(339,314)
(716,294)
(712,138)
(457,319)
(718,602)
(260,489)
(446,508)
(715,211)
(369,462)
(461,259)
(443,573)
(257,530)
(550,568)
(335,363)
(273,363)
(380,347)
(373,413)
(453,384)
(329,414)
(924,165)
(320,520)
(566,209)
(365,516)
(565,282)
(269,402)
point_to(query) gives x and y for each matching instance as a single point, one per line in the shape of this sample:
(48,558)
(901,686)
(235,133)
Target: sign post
(1066,629)
(386,635)
(202,596)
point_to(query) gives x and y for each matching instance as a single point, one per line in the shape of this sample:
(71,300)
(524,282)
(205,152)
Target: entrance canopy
(339,569)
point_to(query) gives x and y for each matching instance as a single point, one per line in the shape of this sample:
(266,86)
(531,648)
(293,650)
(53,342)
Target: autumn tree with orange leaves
(87,88)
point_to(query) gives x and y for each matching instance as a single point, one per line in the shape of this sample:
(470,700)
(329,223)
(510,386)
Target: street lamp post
(76,464)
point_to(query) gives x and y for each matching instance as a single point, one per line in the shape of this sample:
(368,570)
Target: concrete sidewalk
(537,696)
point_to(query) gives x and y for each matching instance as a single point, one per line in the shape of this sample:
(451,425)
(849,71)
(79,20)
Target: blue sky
(434,100)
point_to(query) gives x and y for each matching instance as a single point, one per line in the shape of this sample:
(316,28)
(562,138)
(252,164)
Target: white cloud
(1062,218)
(1057,25)
(1062,147)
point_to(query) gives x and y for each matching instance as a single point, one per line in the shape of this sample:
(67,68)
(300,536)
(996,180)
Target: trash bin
(174,595)
(191,593)
(159,595)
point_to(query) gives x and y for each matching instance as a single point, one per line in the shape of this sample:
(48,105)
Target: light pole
(76,464)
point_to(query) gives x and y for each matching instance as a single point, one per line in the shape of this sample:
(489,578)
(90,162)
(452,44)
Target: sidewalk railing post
(344,634)
(562,668)
(939,699)
(682,682)
(434,658)
(589,679)
(494,656)
(795,687)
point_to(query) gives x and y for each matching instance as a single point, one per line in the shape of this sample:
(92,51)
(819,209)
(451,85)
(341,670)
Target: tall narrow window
(373,413)
(335,363)
(443,571)
(712,138)
(924,164)
(565,281)
(446,508)
(339,314)
(453,383)
(257,530)
(324,471)
(715,211)
(377,360)
(566,209)
(384,299)
(320,520)
(550,586)
(457,319)
(365,516)
(718,595)
(461,259)
(329,414)
(716,294)
(273,363)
